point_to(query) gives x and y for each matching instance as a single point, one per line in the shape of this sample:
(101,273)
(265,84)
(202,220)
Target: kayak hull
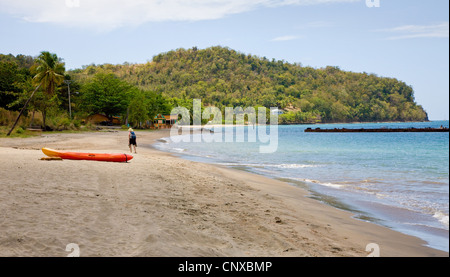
(104,157)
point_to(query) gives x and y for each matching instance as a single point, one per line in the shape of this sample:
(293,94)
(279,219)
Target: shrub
(76,123)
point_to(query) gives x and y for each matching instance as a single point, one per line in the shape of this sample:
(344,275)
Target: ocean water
(398,180)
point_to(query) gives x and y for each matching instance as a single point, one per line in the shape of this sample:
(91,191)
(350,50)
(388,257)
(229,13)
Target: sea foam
(443,218)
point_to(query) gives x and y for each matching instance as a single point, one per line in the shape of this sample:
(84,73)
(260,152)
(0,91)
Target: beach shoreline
(160,205)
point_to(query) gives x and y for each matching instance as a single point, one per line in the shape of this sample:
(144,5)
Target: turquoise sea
(398,180)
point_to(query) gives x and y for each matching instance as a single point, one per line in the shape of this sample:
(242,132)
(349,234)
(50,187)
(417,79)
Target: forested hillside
(218,76)
(226,78)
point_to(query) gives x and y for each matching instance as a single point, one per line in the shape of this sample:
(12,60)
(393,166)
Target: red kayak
(87,156)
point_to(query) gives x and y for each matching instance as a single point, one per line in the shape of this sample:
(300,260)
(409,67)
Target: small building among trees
(164,121)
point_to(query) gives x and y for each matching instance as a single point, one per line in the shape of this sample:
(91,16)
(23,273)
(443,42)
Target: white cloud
(285,38)
(419,31)
(111,14)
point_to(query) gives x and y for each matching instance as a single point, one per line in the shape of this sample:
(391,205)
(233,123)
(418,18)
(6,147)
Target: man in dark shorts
(132,140)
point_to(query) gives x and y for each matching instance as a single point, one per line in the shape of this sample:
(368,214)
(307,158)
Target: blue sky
(404,39)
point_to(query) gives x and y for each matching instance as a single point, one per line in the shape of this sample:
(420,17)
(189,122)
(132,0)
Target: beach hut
(171,120)
(159,121)
(164,121)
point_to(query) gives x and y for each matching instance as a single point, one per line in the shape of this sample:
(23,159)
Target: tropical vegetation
(219,76)
(223,77)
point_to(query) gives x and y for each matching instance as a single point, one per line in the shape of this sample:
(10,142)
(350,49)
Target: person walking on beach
(132,140)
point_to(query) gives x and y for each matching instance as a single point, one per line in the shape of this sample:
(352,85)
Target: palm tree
(49,74)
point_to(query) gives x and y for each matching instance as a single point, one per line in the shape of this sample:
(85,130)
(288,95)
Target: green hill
(223,77)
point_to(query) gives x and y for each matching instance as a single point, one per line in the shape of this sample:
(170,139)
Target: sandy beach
(159,205)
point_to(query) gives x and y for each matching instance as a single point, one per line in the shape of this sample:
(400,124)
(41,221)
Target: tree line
(219,76)
(42,84)
(223,77)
